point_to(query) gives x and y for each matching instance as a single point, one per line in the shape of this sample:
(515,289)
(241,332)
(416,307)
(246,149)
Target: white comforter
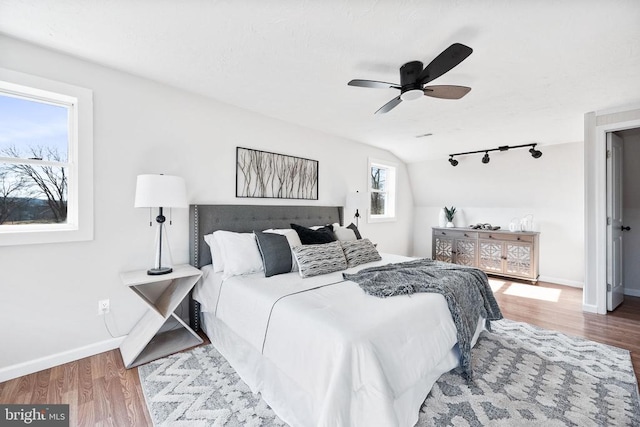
(351,359)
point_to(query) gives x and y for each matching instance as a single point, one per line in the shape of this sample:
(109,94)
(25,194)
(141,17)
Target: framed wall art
(262,174)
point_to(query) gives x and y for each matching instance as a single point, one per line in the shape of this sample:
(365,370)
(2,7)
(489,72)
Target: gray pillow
(355,230)
(275,252)
(314,260)
(359,252)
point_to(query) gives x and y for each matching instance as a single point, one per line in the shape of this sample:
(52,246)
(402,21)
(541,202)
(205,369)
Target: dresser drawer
(456,234)
(512,237)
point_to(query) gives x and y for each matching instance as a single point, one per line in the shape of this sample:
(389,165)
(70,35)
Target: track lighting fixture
(535,153)
(485,159)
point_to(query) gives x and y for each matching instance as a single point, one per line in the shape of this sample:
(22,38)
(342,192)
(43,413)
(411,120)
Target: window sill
(42,235)
(382,219)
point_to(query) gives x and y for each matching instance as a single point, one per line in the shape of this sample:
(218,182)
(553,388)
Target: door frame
(597,124)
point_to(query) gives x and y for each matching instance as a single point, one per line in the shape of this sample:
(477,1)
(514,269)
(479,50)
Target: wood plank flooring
(101,392)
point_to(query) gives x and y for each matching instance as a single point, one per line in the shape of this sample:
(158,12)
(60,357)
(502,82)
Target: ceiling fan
(413,78)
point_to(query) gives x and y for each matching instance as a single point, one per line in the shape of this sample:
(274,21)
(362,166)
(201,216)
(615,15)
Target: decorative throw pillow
(359,252)
(314,260)
(275,252)
(315,237)
(292,238)
(240,253)
(355,230)
(216,254)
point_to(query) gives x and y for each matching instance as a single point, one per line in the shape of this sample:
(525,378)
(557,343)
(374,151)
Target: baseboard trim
(632,292)
(590,308)
(565,282)
(26,368)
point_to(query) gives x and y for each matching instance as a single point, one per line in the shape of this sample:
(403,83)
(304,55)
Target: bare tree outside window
(43,188)
(378,188)
(12,199)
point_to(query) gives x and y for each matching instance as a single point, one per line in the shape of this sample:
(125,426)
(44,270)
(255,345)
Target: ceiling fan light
(486,158)
(412,94)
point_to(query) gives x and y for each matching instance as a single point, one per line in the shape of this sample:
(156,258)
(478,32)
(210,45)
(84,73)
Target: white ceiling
(537,66)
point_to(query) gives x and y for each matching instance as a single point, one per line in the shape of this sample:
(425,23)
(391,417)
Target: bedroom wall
(50,292)
(512,185)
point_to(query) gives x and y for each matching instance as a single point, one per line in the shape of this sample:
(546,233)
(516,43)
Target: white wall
(50,292)
(631,212)
(513,184)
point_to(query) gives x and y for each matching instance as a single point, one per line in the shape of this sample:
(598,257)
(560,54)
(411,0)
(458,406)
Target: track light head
(486,158)
(453,161)
(535,153)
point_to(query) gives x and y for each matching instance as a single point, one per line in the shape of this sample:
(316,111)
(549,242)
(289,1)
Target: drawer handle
(443,233)
(518,238)
(466,235)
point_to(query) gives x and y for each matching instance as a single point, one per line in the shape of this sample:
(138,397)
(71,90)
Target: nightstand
(147,340)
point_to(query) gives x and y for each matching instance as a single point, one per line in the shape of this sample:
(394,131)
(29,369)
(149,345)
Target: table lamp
(161,191)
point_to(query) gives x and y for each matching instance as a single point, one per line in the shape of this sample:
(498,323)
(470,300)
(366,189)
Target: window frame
(79,163)
(390,199)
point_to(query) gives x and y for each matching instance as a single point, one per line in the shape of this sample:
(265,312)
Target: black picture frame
(266,175)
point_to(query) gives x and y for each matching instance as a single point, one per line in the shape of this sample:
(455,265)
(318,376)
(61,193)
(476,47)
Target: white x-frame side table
(163,294)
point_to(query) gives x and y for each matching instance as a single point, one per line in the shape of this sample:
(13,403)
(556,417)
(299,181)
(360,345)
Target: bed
(319,350)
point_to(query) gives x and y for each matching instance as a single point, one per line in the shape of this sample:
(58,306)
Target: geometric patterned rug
(523,376)
(528,376)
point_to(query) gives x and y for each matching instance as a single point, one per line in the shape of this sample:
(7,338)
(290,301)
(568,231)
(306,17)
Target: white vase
(442,218)
(450,224)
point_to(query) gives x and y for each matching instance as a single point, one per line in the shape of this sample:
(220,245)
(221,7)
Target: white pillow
(240,253)
(344,233)
(292,238)
(216,254)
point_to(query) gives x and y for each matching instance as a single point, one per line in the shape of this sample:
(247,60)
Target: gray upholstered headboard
(205,219)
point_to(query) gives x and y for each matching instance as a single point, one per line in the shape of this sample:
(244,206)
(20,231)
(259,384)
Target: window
(46,157)
(382,187)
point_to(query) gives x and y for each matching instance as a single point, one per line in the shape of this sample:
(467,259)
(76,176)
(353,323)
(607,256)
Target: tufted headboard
(205,219)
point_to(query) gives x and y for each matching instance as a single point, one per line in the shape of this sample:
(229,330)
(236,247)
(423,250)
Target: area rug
(523,376)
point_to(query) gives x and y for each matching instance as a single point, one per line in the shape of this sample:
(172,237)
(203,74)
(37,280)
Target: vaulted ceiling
(536,67)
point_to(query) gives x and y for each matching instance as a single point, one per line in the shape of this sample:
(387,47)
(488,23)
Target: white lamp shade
(166,191)
(357,200)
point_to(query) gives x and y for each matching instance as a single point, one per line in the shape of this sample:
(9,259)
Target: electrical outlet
(103,307)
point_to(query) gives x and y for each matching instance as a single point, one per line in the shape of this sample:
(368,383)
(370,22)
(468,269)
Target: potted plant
(449,213)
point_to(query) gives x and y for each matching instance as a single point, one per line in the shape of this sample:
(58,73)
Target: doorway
(631,211)
(597,125)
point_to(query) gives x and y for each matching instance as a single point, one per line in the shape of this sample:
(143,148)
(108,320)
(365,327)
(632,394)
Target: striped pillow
(359,252)
(314,260)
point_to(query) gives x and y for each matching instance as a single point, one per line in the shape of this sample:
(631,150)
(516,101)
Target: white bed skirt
(289,401)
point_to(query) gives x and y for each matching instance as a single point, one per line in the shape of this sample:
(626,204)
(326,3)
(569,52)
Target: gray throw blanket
(465,289)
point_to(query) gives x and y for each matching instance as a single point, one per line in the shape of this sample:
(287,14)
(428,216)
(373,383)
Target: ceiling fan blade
(373,83)
(447,60)
(389,106)
(446,91)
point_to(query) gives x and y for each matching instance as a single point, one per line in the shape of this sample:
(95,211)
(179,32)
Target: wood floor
(101,392)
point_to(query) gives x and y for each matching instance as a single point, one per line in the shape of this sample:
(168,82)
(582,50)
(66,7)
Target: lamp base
(159,271)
